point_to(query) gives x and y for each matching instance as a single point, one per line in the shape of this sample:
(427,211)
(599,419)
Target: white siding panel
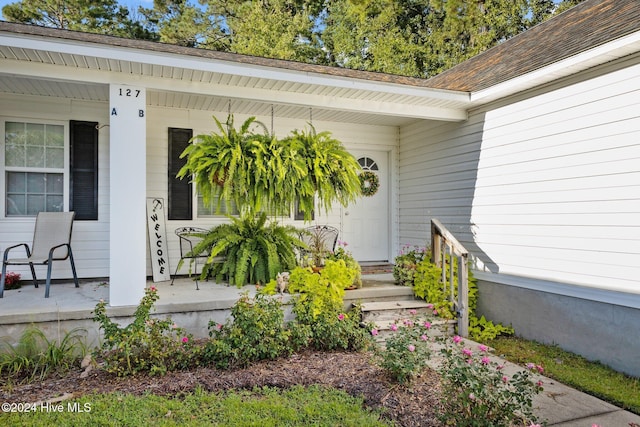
(553,191)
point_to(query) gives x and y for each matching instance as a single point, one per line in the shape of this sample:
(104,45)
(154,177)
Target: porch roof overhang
(41,61)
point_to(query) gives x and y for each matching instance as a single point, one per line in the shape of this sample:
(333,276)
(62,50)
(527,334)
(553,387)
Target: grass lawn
(298,406)
(590,377)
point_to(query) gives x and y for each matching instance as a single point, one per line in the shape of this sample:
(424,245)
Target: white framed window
(35,167)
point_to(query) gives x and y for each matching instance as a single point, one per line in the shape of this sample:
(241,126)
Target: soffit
(197,84)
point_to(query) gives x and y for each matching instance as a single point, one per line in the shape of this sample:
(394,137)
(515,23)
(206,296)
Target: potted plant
(12,280)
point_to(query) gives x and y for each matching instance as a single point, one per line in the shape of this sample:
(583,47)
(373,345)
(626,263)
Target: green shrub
(476,392)
(147,344)
(35,356)
(407,349)
(256,332)
(330,328)
(405,264)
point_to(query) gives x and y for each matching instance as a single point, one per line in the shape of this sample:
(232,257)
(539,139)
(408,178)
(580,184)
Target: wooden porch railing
(442,241)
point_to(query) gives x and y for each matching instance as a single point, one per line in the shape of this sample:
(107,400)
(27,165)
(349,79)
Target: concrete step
(392,310)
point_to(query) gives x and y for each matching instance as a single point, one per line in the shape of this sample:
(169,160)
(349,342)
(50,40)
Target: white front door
(366,223)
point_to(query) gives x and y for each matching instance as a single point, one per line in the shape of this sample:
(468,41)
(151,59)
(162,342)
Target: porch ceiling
(83,71)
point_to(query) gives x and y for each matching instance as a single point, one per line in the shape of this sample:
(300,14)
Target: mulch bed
(414,405)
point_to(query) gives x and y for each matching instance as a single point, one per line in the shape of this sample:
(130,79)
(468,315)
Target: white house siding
(547,186)
(90,240)
(354,136)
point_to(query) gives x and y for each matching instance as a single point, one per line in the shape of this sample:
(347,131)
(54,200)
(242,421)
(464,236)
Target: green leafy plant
(405,264)
(258,172)
(35,356)
(407,350)
(257,331)
(332,171)
(341,253)
(254,251)
(147,344)
(428,286)
(476,392)
(323,289)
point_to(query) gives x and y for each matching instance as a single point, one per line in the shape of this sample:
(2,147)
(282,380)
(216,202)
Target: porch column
(128,192)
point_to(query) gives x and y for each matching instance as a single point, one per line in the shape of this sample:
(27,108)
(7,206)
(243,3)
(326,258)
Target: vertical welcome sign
(158,240)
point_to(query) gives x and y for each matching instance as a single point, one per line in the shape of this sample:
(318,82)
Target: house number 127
(129,92)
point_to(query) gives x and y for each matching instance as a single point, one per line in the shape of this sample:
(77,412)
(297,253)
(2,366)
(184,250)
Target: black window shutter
(84,170)
(180,195)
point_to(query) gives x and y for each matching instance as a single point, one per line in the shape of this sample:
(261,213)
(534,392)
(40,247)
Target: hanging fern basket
(369,183)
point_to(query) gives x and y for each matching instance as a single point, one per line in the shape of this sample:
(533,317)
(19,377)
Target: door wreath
(369,183)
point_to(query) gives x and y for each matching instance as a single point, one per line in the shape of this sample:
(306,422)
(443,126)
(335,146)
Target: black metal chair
(189,237)
(51,242)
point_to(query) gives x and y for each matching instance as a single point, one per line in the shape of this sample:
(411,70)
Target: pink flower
(411,347)
(467,352)
(435,312)
(185,340)
(430,306)
(374,332)
(539,383)
(500,367)
(408,323)
(485,360)
(505,379)
(472,396)
(427,325)
(457,339)
(394,327)
(424,338)
(341,316)
(483,348)
(530,366)
(412,312)
(174,326)
(153,289)
(540,369)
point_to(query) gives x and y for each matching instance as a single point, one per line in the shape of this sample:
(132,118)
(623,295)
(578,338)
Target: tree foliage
(408,37)
(91,16)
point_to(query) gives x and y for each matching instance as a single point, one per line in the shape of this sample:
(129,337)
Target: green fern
(255,251)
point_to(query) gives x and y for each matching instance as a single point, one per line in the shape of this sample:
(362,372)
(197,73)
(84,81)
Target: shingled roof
(583,27)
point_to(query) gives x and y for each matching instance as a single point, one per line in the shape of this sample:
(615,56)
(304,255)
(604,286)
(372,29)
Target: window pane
(54,183)
(35,204)
(35,134)
(16,204)
(35,157)
(14,155)
(16,182)
(55,158)
(54,203)
(29,193)
(212,208)
(54,136)
(35,183)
